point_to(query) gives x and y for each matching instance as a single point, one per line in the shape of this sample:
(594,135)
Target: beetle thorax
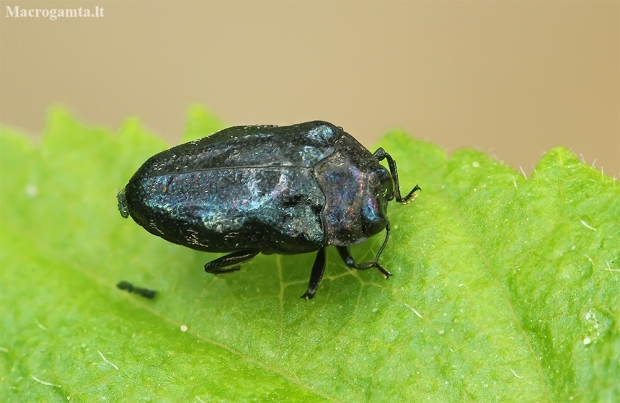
(357,191)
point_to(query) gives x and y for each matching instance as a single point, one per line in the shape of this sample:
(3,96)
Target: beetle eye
(374,227)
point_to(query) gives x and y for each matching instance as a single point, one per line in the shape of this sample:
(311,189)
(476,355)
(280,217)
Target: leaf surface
(504,288)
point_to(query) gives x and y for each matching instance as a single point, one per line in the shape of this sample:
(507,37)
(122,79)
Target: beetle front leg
(381,154)
(318,268)
(345,254)
(228,263)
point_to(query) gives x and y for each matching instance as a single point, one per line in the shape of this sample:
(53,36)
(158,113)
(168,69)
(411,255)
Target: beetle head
(377,191)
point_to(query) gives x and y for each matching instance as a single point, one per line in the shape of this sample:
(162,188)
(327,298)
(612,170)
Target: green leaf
(504,288)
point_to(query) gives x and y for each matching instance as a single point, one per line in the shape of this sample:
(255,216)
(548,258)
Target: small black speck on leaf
(145,292)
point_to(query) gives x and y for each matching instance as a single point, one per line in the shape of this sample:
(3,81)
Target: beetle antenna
(380,154)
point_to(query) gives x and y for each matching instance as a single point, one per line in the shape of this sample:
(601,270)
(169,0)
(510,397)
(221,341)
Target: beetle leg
(318,268)
(380,154)
(345,254)
(228,263)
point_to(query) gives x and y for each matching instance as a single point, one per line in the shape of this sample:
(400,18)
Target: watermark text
(53,13)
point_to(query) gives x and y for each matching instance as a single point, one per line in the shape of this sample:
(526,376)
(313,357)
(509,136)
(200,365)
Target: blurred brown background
(510,78)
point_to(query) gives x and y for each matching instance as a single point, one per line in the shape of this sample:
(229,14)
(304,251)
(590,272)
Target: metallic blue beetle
(271,189)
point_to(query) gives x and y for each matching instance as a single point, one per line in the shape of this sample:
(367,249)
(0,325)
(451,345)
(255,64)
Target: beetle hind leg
(318,268)
(230,262)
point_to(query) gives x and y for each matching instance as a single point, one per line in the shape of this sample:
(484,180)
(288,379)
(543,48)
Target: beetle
(247,190)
